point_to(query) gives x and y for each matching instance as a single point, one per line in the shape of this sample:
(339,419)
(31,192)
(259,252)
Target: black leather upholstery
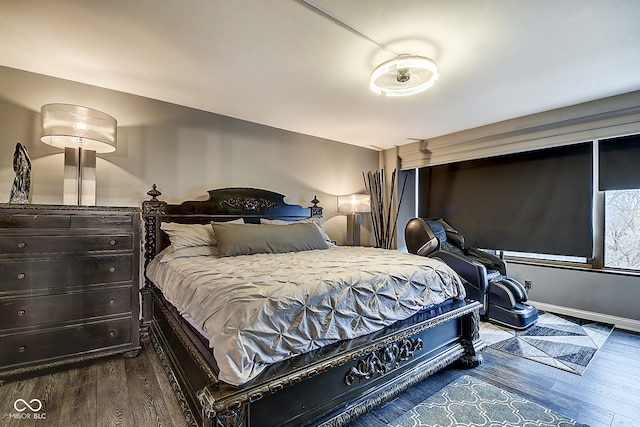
(484,275)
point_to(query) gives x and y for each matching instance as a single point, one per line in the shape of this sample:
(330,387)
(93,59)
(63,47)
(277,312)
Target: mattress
(260,309)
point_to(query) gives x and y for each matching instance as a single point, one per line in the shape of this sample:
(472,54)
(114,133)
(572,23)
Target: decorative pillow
(315,221)
(188,235)
(248,239)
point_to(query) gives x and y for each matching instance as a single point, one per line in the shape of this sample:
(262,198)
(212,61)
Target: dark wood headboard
(223,204)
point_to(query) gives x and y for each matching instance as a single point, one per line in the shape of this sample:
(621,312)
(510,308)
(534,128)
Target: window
(622,228)
(544,204)
(620,181)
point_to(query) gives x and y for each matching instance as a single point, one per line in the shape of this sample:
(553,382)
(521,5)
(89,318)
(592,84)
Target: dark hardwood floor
(608,394)
(111,392)
(136,392)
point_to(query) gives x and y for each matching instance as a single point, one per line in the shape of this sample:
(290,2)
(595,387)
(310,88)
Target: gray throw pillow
(248,239)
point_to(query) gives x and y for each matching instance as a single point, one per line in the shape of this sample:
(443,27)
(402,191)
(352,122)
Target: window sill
(572,266)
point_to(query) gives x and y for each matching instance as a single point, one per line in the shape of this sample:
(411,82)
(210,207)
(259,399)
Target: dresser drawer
(59,244)
(56,273)
(46,309)
(43,221)
(53,343)
(35,221)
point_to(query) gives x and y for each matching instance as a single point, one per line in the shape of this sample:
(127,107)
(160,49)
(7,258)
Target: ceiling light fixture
(400,76)
(404,75)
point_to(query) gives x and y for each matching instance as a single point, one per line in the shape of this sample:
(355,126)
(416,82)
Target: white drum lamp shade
(354,203)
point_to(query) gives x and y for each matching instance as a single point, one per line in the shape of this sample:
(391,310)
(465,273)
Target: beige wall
(182,150)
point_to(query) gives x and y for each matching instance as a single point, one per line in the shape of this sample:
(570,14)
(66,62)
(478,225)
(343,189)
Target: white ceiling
(279,63)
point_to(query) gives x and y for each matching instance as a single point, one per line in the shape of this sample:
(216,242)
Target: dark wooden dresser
(69,283)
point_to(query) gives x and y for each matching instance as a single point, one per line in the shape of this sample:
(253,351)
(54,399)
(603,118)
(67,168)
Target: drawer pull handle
(22,245)
(112,269)
(112,334)
(21,313)
(112,302)
(21,276)
(22,349)
(112,242)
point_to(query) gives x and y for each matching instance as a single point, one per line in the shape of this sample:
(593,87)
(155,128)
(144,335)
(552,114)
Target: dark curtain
(539,202)
(619,163)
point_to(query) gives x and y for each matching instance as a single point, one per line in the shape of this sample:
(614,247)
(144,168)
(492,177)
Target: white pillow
(315,221)
(189,235)
(191,251)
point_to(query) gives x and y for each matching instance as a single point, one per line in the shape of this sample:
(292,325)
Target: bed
(266,322)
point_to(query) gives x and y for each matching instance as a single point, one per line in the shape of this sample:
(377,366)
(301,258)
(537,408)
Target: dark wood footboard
(330,386)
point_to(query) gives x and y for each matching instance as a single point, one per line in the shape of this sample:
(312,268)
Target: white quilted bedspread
(264,308)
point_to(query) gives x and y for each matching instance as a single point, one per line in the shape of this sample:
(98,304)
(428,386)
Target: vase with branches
(384,218)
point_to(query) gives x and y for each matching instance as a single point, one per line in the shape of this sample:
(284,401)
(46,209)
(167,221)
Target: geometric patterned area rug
(470,402)
(564,342)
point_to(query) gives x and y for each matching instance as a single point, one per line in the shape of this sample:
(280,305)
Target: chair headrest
(448,237)
(437,228)
(419,238)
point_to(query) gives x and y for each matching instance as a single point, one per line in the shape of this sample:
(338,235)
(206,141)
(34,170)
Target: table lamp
(353,205)
(81,132)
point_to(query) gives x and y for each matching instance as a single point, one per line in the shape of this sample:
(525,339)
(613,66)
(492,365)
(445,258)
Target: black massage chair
(484,275)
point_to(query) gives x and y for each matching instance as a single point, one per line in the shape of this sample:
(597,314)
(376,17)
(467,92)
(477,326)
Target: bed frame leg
(471,341)
(230,417)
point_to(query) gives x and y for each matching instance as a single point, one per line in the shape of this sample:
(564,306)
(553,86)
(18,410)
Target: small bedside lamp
(353,205)
(81,132)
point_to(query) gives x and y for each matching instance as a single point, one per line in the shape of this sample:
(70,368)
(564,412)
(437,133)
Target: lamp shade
(404,75)
(354,203)
(73,126)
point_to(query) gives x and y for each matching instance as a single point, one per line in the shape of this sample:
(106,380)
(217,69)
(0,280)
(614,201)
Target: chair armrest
(469,269)
(491,262)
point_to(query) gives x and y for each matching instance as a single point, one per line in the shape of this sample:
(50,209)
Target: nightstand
(69,284)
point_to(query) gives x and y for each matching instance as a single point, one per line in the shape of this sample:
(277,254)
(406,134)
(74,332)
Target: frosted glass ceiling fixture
(401,76)
(404,75)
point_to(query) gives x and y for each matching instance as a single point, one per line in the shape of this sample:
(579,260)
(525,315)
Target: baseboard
(619,322)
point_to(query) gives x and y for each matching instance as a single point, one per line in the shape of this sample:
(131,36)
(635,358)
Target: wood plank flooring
(136,392)
(608,394)
(110,392)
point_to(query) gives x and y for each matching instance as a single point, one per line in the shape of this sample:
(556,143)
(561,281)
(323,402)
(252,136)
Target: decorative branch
(383,219)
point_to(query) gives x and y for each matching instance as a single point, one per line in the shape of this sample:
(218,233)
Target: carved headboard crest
(248,204)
